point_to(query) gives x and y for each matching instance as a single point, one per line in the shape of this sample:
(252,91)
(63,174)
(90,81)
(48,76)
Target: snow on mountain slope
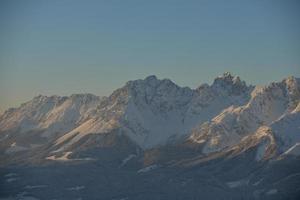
(147,111)
(166,112)
(287,129)
(49,114)
(294,150)
(154,112)
(266,106)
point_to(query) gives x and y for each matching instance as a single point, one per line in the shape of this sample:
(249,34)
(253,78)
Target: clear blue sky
(71,46)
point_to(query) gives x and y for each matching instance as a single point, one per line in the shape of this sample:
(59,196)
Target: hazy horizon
(66,47)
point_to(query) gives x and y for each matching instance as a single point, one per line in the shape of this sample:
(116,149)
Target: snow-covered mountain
(269,106)
(153,113)
(51,114)
(226,140)
(43,119)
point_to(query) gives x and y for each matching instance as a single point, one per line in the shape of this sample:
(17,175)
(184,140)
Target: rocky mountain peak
(151,88)
(151,79)
(292,84)
(149,82)
(232,84)
(151,111)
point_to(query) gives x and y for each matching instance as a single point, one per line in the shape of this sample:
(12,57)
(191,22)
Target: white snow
(150,126)
(294,150)
(34,186)
(266,106)
(89,127)
(64,157)
(10,175)
(24,196)
(151,111)
(258,182)
(9,180)
(76,188)
(287,129)
(272,192)
(147,169)
(128,158)
(52,113)
(238,183)
(154,112)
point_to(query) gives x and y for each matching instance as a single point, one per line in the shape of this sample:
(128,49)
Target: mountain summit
(152,113)
(227,140)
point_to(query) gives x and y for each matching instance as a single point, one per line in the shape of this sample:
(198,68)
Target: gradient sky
(71,46)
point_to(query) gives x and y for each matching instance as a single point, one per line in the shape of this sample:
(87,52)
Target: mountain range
(227,140)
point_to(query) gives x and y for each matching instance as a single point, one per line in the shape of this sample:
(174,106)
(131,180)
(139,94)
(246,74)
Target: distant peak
(233,83)
(227,75)
(151,78)
(151,81)
(225,78)
(290,80)
(83,95)
(40,96)
(292,83)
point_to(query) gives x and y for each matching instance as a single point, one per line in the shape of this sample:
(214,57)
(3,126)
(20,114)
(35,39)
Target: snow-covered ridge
(52,113)
(273,105)
(154,112)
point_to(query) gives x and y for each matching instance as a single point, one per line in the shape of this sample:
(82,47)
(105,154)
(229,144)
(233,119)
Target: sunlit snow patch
(64,157)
